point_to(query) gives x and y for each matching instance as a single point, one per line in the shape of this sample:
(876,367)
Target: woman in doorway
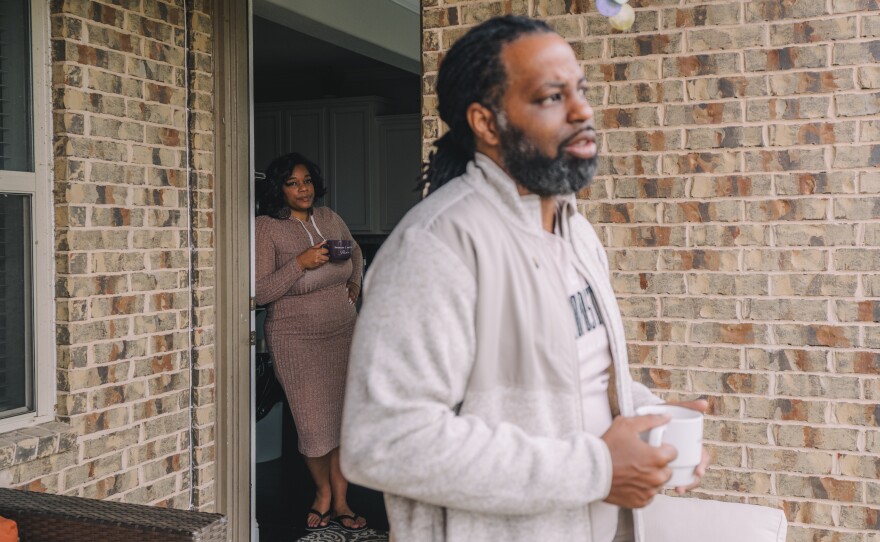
(310,320)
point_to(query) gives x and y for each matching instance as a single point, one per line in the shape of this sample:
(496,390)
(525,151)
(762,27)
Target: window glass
(16,359)
(16,128)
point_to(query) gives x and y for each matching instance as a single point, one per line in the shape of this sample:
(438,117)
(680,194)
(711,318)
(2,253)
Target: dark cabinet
(399,164)
(370,162)
(304,132)
(352,151)
(267,140)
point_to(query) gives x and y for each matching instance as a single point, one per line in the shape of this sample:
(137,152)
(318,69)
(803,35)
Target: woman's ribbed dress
(309,323)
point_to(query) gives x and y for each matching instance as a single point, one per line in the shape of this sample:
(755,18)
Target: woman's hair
(272,200)
(471,72)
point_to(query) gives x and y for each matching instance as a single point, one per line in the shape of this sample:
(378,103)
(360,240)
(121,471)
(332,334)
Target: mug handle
(655,437)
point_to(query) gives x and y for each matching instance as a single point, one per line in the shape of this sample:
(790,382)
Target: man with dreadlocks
(488,393)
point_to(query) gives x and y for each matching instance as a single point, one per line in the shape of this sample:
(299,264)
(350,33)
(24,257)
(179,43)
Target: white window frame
(38,185)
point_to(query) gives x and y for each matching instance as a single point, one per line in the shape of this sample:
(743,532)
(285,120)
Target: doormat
(337,534)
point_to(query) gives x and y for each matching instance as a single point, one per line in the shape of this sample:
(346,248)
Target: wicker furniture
(55,518)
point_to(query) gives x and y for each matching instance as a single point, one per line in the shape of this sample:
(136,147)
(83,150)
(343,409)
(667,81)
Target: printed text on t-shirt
(586,315)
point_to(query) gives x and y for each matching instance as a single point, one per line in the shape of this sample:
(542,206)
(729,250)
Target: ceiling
(385,30)
(412,5)
(278,48)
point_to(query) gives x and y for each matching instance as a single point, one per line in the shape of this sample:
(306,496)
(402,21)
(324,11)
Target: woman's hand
(353,292)
(313,257)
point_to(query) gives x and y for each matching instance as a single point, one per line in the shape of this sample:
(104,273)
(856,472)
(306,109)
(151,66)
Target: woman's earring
(284,213)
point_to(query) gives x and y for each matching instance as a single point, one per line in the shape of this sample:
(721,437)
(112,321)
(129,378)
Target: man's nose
(580,110)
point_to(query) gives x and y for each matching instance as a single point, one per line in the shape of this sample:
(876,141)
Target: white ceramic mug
(684,432)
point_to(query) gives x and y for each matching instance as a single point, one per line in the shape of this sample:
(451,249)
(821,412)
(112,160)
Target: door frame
(233,213)
(233,242)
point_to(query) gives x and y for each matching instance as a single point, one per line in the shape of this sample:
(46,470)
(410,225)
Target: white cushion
(677,519)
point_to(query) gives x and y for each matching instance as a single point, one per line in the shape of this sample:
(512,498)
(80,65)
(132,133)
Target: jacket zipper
(610,328)
(622,402)
(572,345)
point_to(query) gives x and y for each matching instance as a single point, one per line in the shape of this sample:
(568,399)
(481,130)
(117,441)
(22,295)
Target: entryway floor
(284,496)
(285,492)
(335,534)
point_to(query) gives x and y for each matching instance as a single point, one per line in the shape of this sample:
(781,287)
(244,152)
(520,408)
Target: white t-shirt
(594,357)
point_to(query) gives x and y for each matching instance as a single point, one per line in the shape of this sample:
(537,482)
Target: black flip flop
(338,521)
(319,527)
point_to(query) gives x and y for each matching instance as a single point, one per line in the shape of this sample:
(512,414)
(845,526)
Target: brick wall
(134,285)
(737,196)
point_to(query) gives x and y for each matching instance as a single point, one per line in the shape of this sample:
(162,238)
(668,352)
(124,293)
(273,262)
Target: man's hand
(313,257)
(700,405)
(639,470)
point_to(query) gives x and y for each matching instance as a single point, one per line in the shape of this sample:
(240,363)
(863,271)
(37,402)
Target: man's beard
(537,172)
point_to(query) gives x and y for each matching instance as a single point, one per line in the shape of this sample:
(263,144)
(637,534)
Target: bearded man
(489,394)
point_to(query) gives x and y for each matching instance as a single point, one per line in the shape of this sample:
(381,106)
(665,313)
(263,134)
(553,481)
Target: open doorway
(351,105)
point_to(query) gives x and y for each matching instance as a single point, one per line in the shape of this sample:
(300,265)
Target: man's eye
(552,98)
(582,92)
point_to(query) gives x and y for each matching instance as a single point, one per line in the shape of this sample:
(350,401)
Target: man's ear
(482,122)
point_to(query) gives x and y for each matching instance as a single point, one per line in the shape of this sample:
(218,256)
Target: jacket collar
(524,210)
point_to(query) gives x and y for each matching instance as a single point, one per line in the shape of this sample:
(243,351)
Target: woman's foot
(318,517)
(348,520)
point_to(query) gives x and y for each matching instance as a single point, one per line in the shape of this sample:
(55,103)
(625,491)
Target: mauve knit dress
(309,323)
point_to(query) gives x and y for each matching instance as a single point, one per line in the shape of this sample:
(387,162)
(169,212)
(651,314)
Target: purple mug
(338,250)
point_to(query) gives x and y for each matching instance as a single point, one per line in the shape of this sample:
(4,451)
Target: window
(26,325)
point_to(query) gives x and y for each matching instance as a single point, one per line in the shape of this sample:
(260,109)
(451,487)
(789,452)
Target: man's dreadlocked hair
(471,71)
